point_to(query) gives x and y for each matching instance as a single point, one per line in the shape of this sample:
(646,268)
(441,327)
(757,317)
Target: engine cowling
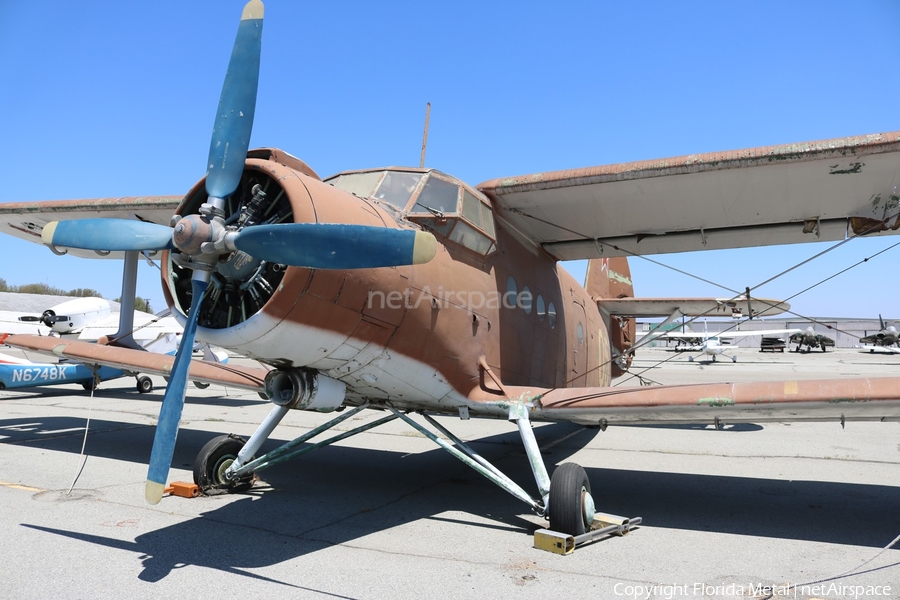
(304,389)
(248,298)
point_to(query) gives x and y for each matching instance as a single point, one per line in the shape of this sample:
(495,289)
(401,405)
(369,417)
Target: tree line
(141,304)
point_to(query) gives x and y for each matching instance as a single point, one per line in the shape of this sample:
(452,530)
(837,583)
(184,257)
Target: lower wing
(860,399)
(247,378)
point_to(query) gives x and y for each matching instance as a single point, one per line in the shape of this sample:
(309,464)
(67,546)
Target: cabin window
(551,315)
(580,330)
(509,298)
(541,308)
(525,299)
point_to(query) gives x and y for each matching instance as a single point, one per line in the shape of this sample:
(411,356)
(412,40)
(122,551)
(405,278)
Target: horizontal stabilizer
(691,307)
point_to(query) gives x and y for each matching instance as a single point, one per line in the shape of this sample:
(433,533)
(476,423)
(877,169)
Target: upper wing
(812,191)
(142,361)
(868,399)
(745,333)
(677,335)
(26,220)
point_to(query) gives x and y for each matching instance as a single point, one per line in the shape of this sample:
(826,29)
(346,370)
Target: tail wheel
(571,504)
(214,459)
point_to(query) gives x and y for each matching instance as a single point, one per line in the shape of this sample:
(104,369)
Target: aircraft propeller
(203,238)
(48,318)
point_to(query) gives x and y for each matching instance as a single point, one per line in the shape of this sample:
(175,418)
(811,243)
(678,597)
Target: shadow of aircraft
(340,494)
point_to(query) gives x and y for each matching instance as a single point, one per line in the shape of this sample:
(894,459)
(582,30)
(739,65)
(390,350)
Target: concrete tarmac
(744,511)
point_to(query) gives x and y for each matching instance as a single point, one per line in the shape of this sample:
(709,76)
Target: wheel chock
(603,525)
(183,489)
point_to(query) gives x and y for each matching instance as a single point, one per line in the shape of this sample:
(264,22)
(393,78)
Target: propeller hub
(191,232)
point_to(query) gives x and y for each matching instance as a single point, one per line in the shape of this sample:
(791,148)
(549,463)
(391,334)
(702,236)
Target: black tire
(568,487)
(201,385)
(144,385)
(89,385)
(212,461)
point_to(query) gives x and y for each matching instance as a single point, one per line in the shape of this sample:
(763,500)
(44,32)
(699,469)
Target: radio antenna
(425,135)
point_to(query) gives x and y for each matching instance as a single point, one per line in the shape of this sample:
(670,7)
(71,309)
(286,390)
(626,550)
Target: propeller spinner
(204,238)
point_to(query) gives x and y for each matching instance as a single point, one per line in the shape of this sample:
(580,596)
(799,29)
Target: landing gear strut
(226,463)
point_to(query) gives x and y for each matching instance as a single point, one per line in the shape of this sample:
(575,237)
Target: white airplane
(88,319)
(69,317)
(712,345)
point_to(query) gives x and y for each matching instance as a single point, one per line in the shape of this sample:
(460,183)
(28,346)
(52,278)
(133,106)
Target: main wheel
(144,385)
(214,459)
(571,503)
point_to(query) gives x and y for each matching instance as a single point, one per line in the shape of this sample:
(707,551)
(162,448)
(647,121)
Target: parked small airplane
(406,290)
(809,338)
(68,317)
(715,344)
(886,337)
(87,319)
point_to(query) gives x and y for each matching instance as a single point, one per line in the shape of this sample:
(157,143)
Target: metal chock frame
(467,455)
(289,450)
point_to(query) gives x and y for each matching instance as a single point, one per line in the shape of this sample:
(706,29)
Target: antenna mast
(425,135)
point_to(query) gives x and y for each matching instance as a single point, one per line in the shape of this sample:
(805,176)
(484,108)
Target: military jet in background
(809,338)
(888,336)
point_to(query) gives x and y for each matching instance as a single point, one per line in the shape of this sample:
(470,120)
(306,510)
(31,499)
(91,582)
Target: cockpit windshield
(427,197)
(397,187)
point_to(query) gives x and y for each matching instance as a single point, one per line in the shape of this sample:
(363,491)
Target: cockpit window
(436,201)
(358,184)
(439,196)
(397,188)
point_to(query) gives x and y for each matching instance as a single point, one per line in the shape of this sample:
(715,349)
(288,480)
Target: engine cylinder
(304,389)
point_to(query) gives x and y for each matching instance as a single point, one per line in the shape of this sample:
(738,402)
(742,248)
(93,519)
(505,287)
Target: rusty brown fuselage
(443,334)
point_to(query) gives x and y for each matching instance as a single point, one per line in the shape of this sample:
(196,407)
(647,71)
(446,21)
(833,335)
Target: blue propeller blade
(237,105)
(107,234)
(173,403)
(336,246)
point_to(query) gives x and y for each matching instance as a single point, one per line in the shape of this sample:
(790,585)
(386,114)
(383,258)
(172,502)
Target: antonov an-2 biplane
(406,290)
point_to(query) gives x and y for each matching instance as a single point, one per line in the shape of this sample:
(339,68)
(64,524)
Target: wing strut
(124,336)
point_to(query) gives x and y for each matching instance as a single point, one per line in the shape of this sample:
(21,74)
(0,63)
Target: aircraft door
(578,336)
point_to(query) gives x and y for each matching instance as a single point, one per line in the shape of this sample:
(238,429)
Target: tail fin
(611,278)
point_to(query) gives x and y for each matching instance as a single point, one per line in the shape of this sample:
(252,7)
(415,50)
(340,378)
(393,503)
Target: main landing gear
(226,463)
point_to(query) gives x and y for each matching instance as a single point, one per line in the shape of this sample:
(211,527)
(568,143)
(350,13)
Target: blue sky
(108,99)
